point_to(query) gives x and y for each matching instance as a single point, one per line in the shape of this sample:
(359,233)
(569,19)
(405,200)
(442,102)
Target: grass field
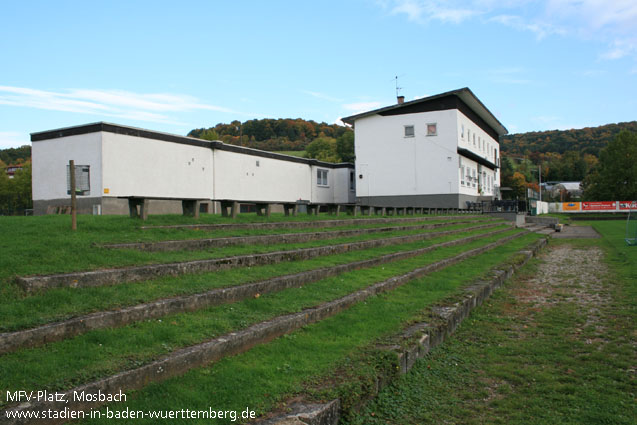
(263,378)
(532,355)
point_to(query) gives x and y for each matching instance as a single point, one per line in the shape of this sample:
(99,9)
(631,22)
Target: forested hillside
(270,134)
(589,140)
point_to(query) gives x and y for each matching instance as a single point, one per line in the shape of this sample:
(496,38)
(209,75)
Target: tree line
(270,134)
(589,140)
(611,177)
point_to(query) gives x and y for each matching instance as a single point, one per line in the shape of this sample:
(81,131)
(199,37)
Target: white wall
(484,146)
(238,177)
(125,166)
(136,166)
(392,164)
(51,157)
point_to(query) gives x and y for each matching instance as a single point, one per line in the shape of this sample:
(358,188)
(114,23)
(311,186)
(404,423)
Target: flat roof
(174,138)
(464,94)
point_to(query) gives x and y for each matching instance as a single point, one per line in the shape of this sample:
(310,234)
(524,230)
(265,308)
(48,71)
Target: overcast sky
(176,65)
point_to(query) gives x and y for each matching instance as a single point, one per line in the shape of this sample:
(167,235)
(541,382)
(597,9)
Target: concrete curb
(420,338)
(138,273)
(183,360)
(33,337)
(195,244)
(306,224)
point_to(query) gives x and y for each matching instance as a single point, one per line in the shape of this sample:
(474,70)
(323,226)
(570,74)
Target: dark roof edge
(465,90)
(174,138)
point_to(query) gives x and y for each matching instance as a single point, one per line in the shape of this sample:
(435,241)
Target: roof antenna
(399,97)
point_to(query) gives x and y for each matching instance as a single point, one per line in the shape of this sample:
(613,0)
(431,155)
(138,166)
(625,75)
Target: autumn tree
(518,184)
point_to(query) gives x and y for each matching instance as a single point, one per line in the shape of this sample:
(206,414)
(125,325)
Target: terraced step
(305,224)
(198,244)
(138,273)
(37,336)
(185,359)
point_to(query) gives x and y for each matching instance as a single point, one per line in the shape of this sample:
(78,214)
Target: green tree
(506,172)
(615,177)
(209,134)
(345,146)
(323,149)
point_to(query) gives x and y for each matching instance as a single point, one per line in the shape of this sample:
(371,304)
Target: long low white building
(116,163)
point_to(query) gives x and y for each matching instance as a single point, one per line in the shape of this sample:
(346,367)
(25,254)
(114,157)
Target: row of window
(479,142)
(469,177)
(432,130)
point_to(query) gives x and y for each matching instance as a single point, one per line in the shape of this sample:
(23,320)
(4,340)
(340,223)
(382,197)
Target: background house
(439,151)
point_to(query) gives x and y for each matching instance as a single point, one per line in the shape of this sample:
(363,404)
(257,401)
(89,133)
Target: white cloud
(422,11)
(152,107)
(613,22)
(361,106)
(13,139)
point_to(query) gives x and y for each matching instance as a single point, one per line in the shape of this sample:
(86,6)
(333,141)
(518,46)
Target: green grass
(102,352)
(267,374)
(44,245)
(501,368)
(19,311)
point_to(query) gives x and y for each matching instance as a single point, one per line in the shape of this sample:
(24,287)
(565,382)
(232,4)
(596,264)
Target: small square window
(409,131)
(432,129)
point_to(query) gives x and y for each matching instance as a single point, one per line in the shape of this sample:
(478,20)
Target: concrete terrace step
(40,335)
(185,359)
(194,244)
(412,344)
(306,224)
(138,273)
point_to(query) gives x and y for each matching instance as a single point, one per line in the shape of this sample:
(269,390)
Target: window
(462,131)
(321,177)
(432,129)
(352,182)
(474,139)
(473,171)
(409,131)
(462,175)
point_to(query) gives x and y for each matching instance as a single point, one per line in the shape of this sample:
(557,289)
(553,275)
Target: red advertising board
(628,205)
(599,206)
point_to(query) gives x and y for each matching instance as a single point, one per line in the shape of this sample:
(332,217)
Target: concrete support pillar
(313,209)
(190,207)
(226,206)
(350,210)
(142,203)
(264,209)
(235,209)
(290,209)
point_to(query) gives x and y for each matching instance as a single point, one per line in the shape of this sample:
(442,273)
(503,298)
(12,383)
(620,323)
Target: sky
(173,66)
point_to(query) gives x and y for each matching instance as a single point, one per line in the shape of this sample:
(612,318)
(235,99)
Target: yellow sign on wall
(106,190)
(571,206)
